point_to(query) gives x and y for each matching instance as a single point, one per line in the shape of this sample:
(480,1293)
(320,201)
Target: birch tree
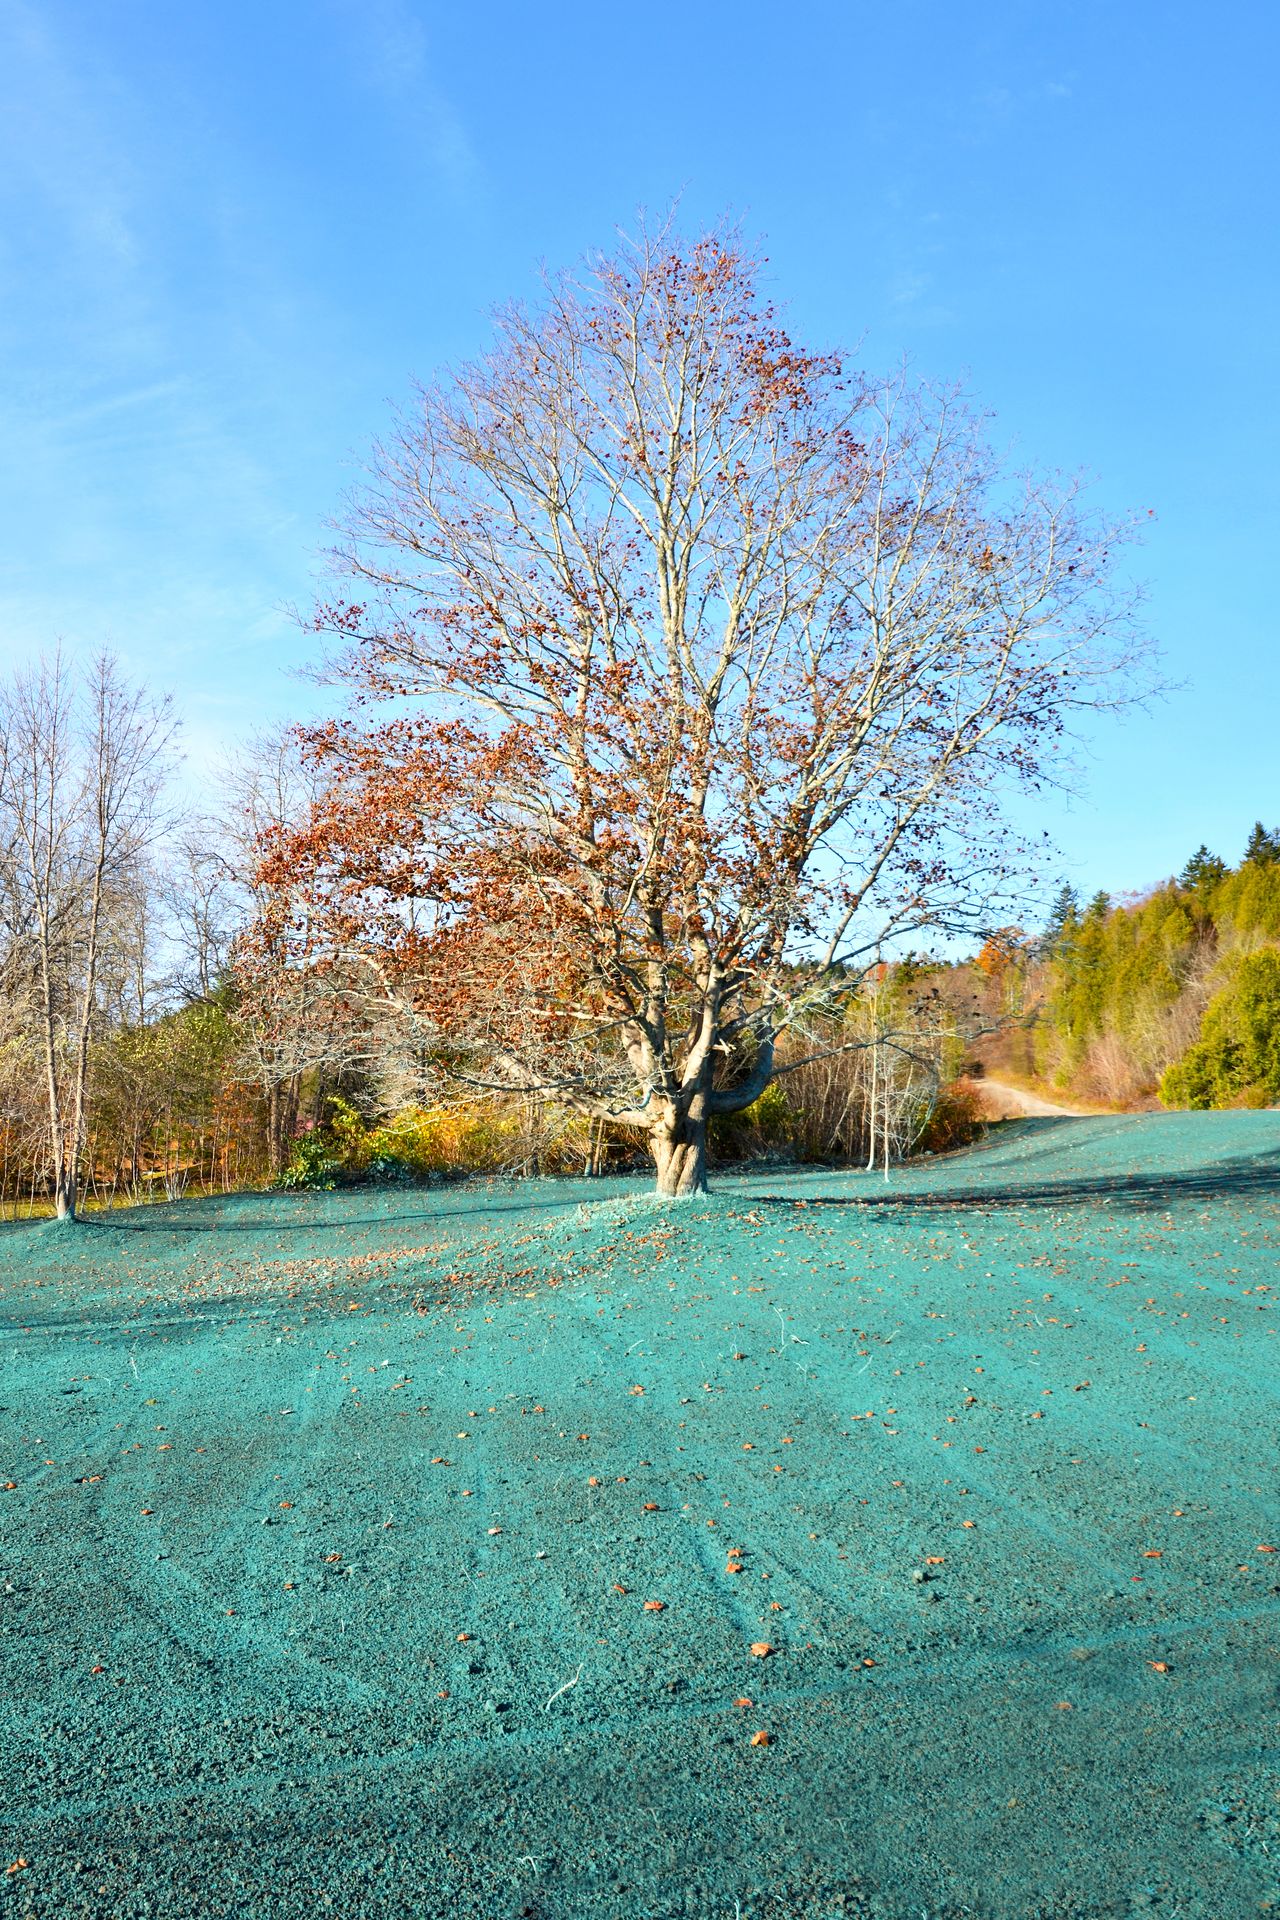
(83,762)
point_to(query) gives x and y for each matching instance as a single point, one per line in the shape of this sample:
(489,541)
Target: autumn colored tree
(297,1010)
(710,660)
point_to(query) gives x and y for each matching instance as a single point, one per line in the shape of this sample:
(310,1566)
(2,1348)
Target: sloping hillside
(448,1552)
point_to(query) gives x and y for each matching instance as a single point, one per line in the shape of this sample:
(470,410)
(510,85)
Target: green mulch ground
(404,1554)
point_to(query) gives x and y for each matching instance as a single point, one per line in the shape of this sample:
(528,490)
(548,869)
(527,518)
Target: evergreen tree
(1236,1061)
(1202,872)
(1099,907)
(1062,914)
(1263,848)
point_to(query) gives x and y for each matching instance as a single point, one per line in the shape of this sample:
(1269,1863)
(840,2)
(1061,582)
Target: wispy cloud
(146,494)
(57,153)
(993,109)
(394,59)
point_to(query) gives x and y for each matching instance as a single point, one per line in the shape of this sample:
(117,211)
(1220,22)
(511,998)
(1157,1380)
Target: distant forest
(1172,998)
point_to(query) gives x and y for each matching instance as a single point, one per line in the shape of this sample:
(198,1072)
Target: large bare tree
(714,660)
(83,760)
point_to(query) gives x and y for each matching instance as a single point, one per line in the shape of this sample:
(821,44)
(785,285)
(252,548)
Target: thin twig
(564,1689)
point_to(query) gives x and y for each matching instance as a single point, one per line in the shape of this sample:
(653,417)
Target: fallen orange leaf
(761,1648)
(760,1739)
(655,1606)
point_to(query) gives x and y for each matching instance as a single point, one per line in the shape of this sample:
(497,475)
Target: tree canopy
(709,661)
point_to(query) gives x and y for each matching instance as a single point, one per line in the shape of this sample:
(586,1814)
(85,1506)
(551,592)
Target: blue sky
(233,231)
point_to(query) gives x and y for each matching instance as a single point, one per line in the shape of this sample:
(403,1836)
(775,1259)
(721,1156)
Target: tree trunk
(680,1156)
(64,1194)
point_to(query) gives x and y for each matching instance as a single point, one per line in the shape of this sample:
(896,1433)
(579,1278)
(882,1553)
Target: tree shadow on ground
(1246,1177)
(160,1220)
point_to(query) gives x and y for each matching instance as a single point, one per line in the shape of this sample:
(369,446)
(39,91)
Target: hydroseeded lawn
(411,1554)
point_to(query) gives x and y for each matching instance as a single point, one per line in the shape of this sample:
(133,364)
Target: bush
(471,1137)
(311,1163)
(388,1170)
(765,1129)
(956,1120)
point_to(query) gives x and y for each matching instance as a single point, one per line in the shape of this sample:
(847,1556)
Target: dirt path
(1011,1103)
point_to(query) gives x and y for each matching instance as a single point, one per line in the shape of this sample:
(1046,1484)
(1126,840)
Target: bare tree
(204,893)
(82,770)
(296,1018)
(720,654)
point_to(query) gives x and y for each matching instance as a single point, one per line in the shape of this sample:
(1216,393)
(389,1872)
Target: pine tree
(1263,848)
(1062,914)
(1202,872)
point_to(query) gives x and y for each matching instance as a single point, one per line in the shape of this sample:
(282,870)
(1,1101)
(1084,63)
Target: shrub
(470,1137)
(311,1163)
(766,1128)
(957,1119)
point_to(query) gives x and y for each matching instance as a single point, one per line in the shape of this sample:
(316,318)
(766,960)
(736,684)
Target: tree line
(1171,997)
